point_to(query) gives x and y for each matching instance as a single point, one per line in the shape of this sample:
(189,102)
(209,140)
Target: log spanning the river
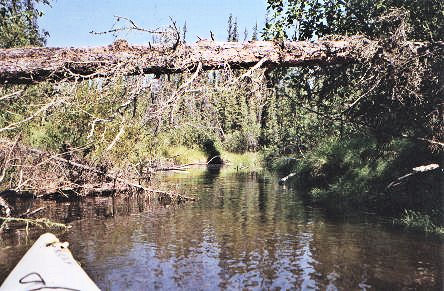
(29,65)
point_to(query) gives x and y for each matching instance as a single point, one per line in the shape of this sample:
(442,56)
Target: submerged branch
(40,222)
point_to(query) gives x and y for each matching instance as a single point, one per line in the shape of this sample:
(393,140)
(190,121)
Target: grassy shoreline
(356,175)
(182,155)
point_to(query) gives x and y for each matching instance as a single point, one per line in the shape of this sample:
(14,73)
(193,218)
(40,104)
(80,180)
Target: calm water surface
(246,232)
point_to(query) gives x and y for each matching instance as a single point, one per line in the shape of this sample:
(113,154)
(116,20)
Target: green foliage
(386,96)
(18,23)
(419,221)
(181,155)
(242,140)
(294,120)
(347,174)
(339,127)
(248,160)
(282,165)
(111,126)
(304,20)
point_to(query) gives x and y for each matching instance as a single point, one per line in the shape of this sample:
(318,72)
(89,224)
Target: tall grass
(419,221)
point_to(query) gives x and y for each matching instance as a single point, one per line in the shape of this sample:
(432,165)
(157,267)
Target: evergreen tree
(254,35)
(184,32)
(230,27)
(235,32)
(245,34)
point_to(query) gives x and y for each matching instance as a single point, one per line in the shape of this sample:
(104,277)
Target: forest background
(358,136)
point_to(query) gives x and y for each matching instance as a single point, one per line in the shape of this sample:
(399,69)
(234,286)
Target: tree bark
(29,65)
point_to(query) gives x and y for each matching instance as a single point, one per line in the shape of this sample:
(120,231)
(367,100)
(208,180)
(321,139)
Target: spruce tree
(230,27)
(235,32)
(254,35)
(184,32)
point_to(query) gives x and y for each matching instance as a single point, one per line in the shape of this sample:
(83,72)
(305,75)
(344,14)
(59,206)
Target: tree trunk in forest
(29,65)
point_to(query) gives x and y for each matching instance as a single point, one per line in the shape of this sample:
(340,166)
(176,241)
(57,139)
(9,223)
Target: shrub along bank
(358,173)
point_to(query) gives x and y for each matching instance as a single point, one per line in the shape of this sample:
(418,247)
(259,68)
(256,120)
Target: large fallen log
(28,65)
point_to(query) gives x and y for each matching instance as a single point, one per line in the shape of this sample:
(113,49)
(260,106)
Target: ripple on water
(245,232)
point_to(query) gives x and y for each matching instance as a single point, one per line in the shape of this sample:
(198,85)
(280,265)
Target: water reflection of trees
(245,232)
(249,234)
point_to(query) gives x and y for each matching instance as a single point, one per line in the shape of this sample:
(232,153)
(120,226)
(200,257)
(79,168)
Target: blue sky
(70,21)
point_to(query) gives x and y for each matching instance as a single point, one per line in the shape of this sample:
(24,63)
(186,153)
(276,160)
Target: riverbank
(342,176)
(359,174)
(182,155)
(29,173)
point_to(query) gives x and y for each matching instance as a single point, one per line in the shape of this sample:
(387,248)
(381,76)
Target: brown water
(246,232)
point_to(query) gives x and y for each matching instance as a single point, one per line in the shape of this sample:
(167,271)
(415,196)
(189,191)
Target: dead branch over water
(62,176)
(28,65)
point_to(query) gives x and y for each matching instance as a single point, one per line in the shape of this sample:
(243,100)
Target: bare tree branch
(133,26)
(45,107)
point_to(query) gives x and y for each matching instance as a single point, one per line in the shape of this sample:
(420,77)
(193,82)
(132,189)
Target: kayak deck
(48,265)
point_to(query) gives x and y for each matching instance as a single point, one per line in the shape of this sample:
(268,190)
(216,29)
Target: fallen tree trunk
(28,65)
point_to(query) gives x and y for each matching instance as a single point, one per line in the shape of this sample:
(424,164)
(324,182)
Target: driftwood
(184,167)
(51,176)
(111,187)
(28,65)
(40,222)
(420,169)
(284,179)
(84,190)
(30,212)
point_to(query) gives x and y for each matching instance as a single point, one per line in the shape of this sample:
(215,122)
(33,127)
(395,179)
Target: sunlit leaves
(18,23)
(308,19)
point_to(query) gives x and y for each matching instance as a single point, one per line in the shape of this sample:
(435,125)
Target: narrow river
(245,232)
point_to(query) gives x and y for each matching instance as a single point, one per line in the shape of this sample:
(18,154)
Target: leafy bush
(354,173)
